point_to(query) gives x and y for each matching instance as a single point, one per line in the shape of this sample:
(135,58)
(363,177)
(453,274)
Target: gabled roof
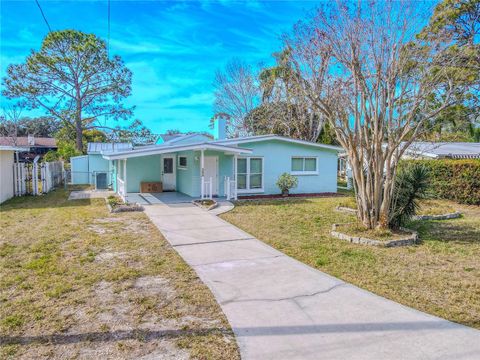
(97,147)
(168,137)
(257,138)
(454,150)
(162,149)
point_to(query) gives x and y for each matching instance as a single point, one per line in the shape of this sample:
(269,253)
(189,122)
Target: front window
(250,173)
(182,162)
(304,165)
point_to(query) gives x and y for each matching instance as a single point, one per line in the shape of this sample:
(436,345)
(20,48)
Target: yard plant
(457,180)
(286,182)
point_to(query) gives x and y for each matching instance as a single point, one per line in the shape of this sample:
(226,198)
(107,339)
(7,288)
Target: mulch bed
(280,196)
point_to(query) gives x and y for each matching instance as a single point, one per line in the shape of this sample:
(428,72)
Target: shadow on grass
(54,199)
(147,335)
(451,231)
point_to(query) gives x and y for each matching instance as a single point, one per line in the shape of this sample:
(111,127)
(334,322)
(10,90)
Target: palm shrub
(286,182)
(411,184)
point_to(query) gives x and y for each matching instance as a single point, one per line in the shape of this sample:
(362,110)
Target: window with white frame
(182,162)
(304,165)
(250,174)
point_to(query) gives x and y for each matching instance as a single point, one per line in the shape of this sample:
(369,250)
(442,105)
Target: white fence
(206,188)
(37,179)
(230,188)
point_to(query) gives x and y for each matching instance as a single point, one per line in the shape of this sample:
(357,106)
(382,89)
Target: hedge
(457,180)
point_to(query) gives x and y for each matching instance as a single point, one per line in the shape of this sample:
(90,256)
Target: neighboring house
(423,150)
(92,168)
(32,145)
(443,150)
(7,159)
(188,163)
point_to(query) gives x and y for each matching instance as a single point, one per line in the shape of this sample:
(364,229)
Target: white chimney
(31,140)
(220,128)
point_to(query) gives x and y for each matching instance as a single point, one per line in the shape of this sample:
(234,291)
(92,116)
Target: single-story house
(32,145)
(198,166)
(7,160)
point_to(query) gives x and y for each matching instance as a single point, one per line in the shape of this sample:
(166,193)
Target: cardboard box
(151,187)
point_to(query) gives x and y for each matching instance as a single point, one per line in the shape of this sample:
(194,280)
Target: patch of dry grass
(77,281)
(436,207)
(440,276)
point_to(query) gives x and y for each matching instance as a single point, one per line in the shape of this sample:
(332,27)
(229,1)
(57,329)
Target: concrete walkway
(280,308)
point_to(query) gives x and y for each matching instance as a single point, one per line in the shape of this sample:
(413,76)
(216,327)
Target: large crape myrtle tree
(365,72)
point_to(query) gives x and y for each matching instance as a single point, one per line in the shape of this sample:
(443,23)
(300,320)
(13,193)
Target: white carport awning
(155,150)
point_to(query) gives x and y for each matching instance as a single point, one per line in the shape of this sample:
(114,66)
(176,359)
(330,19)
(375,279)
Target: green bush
(286,181)
(411,184)
(51,156)
(457,180)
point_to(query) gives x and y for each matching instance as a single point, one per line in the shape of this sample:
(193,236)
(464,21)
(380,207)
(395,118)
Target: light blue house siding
(188,179)
(145,168)
(277,159)
(84,168)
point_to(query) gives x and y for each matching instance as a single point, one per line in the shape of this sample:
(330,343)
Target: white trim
(171,149)
(304,172)
(248,174)
(182,167)
(13,148)
(276,137)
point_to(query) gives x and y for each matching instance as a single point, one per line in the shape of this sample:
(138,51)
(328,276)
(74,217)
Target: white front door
(168,173)
(211,171)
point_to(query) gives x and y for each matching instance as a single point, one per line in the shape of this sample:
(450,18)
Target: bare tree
(357,65)
(287,110)
(10,122)
(236,95)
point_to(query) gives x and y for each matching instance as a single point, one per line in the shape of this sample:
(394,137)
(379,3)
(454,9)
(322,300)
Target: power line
(43,15)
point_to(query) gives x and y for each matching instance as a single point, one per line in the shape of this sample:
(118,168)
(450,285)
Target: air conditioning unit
(101,181)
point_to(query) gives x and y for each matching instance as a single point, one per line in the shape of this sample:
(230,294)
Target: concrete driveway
(280,308)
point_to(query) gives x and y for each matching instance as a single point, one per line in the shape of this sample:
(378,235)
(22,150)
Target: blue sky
(173,48)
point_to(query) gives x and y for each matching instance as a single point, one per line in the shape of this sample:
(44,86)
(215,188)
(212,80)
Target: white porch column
(125,179)
(235,158)
(202,173)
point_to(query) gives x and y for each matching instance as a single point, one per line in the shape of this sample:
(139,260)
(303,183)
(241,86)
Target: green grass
(440,276)
(71,270)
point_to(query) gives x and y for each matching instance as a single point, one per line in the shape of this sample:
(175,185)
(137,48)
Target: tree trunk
(79,132)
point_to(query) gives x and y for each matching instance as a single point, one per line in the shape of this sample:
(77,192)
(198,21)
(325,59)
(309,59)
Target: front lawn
(78,281)
(440,276)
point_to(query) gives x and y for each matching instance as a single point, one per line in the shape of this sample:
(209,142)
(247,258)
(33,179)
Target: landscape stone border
(211,207)
(406,241)
(453,215)
(124,207)
(346,209)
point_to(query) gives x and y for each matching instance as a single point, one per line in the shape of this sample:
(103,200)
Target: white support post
(227,188)
(210,194)
(235,159)
(124,179)
(202,173)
